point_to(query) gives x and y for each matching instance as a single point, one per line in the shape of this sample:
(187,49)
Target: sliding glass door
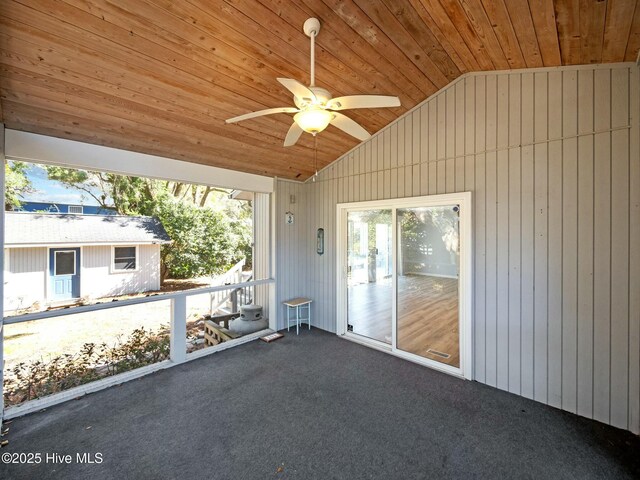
(369,274)
(405,278)
(427,282)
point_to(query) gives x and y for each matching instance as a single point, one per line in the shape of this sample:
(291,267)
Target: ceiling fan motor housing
(322,97)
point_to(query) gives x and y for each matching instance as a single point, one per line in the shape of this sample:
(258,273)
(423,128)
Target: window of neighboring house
(125,259)
(77,209)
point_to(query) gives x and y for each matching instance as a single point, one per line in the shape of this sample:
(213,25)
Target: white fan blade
(298,89)
(292,135)
(362,101)
(347,125)
(259,113)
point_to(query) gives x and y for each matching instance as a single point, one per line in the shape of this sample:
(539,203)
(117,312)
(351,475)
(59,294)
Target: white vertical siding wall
(25,278)
(291,240)
(261,247)
(552,157)
(96,279)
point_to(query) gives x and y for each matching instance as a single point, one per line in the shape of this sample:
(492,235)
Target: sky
(51,191)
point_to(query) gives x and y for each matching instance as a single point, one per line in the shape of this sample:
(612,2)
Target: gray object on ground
(249,321)
(251,312)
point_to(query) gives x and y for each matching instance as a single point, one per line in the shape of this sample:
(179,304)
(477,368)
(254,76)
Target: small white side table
(298,306)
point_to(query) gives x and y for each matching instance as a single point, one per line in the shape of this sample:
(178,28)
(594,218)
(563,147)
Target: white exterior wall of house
(27,274)
(25,277)
(552,158)
(98,280)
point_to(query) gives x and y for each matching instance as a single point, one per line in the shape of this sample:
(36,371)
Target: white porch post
(273,296)
(178,342)
(2,188)
(262,254)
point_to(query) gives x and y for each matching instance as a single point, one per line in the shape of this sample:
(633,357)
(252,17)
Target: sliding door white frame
(465,296)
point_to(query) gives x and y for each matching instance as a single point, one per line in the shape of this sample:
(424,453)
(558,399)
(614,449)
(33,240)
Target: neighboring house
(51,207)
(52,258)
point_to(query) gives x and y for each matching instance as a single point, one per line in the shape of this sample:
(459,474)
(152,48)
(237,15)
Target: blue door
(64,271)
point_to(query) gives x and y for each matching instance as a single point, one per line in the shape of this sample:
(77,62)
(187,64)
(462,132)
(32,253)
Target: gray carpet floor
(315,406)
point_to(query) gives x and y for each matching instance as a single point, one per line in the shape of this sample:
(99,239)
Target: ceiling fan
(315,109)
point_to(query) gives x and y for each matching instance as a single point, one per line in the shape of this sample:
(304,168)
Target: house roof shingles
(50,229)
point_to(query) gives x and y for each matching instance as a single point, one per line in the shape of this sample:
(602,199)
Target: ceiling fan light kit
(315,108)
(313,120)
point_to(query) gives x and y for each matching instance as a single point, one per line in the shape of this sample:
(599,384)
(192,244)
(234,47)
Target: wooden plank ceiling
(160,76)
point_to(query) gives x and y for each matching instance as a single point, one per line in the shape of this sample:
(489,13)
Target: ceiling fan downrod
(311,28)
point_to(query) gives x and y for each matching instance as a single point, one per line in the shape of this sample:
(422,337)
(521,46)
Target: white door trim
(465,282)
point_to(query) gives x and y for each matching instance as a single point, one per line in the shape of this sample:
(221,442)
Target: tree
(130,195)
(203,242)
(127,195)
(209,232)
(16,184)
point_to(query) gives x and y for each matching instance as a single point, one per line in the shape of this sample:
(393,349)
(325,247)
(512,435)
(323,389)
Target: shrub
(31,380)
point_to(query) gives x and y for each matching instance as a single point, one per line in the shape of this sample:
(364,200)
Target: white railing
(178,338)
(232,276)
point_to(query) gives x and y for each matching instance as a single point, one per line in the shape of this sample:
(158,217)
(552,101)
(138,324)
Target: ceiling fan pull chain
(315,155)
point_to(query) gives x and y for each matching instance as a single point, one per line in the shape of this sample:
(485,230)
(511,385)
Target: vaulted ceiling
(161,76)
